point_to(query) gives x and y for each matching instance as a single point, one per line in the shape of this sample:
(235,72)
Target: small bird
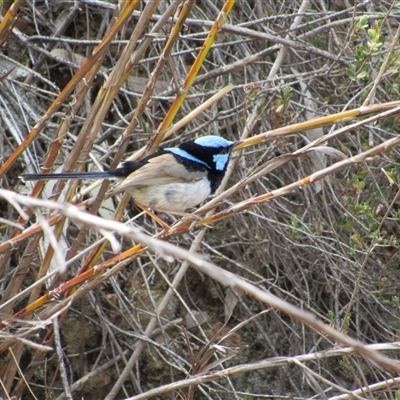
(172,179)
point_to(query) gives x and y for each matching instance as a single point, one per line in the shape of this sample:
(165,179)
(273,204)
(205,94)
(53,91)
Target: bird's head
(213,152)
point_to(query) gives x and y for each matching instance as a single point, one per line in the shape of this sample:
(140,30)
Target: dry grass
(294,291)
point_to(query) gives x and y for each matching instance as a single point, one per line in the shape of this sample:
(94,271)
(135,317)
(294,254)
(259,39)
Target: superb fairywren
(171,179)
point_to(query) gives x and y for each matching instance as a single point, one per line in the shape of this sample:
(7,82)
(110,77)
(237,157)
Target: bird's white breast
(172,196)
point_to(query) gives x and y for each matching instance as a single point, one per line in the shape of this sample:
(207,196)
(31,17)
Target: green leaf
(361,75)
(350,73)
(373,34)
(364,21)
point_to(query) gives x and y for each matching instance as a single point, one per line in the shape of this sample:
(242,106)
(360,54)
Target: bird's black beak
(235,144)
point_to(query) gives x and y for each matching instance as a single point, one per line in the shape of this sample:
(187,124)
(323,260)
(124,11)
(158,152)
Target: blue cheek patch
(220,161)
(186,155)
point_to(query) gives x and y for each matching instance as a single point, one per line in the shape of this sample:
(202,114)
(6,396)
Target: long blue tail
(70,175)
(125,169)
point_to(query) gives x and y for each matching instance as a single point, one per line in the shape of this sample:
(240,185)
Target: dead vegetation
(295,287)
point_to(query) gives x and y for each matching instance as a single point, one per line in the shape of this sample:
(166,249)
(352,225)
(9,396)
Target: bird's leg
(153,216)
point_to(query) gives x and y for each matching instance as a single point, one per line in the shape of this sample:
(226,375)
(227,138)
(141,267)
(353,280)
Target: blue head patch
(213,141)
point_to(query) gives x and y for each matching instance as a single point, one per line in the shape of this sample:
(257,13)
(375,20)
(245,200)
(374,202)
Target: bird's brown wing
(159,170)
